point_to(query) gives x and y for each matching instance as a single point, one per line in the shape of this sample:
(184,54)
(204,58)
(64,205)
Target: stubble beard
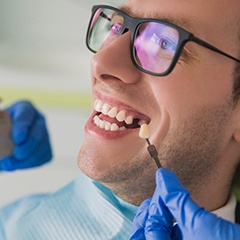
(197,152)
(192,150)
(132,175)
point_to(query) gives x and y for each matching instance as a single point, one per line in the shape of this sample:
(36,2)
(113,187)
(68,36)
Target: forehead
(202,17)
(180,21)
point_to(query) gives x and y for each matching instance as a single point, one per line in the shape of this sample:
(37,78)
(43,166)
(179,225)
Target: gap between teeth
(112,112)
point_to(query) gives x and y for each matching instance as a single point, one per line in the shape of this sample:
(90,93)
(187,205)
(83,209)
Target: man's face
(189,112)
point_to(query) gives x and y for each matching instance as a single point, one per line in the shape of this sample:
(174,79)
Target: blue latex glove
(171,200)
(30,136)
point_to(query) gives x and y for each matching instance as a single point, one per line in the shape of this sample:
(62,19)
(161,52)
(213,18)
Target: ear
(236,135)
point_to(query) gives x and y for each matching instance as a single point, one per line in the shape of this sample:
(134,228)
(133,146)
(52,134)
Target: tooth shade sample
(143,132)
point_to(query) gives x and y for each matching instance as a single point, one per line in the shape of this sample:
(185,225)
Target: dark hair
(236,182)
(236,71)
(236,97)
(236,83)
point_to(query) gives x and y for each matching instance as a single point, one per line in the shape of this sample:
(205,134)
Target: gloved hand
(171,200)
(30,136)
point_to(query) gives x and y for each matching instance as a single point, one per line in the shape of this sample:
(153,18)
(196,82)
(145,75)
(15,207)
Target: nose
(114,62)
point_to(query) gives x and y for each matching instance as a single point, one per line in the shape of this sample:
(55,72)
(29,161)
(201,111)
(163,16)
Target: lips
(117,118)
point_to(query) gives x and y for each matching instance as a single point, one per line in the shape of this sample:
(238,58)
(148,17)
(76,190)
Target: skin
(194,123)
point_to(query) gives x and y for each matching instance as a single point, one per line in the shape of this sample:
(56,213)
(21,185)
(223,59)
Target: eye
(167,44)
(164,42)
(116,23)
(116,28)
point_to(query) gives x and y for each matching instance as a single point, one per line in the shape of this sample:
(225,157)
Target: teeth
(114,127)
(98,105)
(112,112)
(105,108)
(129,120)
(102,124)
(141,122)
(105,124)
(121,116)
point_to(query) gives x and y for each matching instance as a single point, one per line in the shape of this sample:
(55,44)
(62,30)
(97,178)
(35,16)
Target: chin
(95,164)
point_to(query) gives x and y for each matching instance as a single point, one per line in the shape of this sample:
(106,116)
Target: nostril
(109,77)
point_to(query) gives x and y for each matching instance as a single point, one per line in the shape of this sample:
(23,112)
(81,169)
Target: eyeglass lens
(155,43)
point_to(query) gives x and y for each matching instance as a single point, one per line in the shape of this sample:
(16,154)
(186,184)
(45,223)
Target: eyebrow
(181,22)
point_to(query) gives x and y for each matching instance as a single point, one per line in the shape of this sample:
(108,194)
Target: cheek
(185,91)
(194,144)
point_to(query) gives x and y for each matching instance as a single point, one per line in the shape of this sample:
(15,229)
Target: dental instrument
(144,133)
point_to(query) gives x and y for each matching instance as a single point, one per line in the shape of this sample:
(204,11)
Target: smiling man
(175,66)
(192,111)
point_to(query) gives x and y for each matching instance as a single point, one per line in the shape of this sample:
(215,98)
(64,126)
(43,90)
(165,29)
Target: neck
(212,193)
(133,192)
(212,200)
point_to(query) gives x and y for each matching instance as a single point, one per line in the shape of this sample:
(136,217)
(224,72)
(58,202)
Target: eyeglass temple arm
(211,47)
(102,14)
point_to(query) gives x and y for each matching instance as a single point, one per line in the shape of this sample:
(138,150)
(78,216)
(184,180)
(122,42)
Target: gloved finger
(37,134)
(139,221)
(194,222)
(176,197)
(42,156)
(160,221)
(23,116)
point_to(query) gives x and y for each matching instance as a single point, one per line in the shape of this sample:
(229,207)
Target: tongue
(120,124)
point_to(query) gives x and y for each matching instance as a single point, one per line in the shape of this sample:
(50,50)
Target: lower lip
(92,129)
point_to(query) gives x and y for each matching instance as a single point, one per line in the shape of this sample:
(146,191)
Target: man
(179,74)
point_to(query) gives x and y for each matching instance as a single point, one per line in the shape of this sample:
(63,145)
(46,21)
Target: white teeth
(95,103)
(105,108)
(98,105)
(102,124)
(129,120)
(106,125)
(141,122)
(121,116)
(96,119)
(114,127)
(112,112)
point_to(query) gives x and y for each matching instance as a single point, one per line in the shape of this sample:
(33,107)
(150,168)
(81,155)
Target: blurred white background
(43,58)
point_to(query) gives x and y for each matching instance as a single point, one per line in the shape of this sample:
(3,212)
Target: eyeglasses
(155,45)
